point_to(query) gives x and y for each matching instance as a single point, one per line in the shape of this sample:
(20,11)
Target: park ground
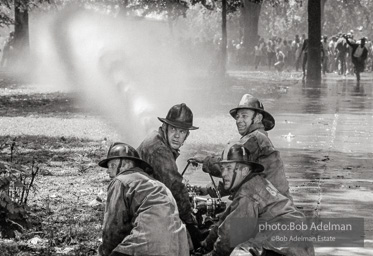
(323,132)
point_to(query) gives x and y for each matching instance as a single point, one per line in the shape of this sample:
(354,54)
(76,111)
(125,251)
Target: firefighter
(161,149)
(141,215)
(254,201)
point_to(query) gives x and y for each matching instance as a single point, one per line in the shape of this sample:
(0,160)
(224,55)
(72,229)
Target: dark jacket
(255,201)
(141,218)
(359,63)
(261,151)
(155,151)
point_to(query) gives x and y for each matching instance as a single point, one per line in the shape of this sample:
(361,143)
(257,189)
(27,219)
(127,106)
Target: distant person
(286,50)
(297,51)
(231,48)
(271,53)
(325,61)
(349,64)
(332,55)
(239,52)
(141,215)
(291,55)
(258,56)
(280,63)
(2,43)
(8,51)
(341,52)
(304,51)
(358,56)
(304,37)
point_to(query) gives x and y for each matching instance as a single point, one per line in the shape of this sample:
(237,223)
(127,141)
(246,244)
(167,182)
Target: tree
(224,38)
(21,28)
(16,12)
(314,45)
(250,21)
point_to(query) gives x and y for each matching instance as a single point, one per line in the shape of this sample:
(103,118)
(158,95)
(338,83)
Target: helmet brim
(178,124)
(257,167)
(141,163)
(268,120)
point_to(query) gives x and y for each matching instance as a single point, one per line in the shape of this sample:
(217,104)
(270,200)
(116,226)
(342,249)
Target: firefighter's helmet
(250,102)
(121,150)
(180,116)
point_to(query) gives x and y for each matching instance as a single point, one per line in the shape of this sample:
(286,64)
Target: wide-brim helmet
(179,116)
(250,102)
(121,150)
(237,153)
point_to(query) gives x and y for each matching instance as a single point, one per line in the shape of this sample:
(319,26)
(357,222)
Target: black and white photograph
(186,127)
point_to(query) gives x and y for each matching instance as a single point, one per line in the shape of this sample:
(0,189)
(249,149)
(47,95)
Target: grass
(60,210)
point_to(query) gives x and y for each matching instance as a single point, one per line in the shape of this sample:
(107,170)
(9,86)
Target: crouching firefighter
(254,201)
(141,215)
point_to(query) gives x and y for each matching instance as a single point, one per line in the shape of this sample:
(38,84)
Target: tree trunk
(250,22)
(224,38)
(314,41)
(21,30)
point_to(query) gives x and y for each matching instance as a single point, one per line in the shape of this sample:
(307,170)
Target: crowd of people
(283,54)
(148,211)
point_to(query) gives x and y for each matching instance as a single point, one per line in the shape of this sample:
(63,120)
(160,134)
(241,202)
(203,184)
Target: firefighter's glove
(197,159)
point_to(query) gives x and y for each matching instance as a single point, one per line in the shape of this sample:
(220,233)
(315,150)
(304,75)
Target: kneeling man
(141,215)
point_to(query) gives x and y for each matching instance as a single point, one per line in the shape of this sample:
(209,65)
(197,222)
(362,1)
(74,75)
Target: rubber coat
(261,151)
(255,201)
(141,218)
(155,151)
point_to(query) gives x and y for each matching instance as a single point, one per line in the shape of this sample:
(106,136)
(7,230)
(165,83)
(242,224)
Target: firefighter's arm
(117,224)
(165,170)
(210,164)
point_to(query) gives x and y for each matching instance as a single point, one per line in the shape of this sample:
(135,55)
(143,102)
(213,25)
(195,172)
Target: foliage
(16,180)
(279,19)
(352,15)
(285,16)
(201,23)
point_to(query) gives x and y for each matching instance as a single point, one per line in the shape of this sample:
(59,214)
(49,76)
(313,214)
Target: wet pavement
(325,137)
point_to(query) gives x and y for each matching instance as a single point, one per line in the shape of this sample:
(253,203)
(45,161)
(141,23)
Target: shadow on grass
(53,152)
(39,104)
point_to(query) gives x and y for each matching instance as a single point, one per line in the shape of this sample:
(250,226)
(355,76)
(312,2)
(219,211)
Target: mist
(127,70)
